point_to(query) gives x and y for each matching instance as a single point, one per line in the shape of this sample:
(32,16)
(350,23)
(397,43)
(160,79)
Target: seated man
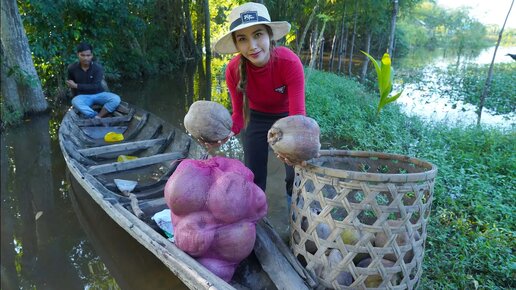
(85,79)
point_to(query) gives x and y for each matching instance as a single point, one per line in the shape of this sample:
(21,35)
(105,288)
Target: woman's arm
(295,79)
(236,99)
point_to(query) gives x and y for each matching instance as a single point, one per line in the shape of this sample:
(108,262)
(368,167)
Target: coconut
(402,239)
(208,121)
(194,233)
(374,281)
(295,137)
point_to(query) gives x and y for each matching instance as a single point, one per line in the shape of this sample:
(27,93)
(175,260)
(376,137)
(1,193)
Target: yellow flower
(386,59)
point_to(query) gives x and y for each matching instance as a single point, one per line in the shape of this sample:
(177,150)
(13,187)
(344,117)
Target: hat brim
(225,43)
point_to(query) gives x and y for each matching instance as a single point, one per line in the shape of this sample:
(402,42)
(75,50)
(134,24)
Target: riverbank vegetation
(136,39)
(139,39)
(471,232)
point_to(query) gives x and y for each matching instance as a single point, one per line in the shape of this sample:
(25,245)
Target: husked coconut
(402,239)
(295,137)
(208,121)
(374,281)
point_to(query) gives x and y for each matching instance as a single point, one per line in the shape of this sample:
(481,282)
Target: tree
(353,36)
(485,91)
(395,5)
(307,26)
(318,41)
(21,86)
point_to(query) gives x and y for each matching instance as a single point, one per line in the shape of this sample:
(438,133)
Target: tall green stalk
(385,76)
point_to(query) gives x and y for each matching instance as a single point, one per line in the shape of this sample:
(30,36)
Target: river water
(430,100)
(54,237)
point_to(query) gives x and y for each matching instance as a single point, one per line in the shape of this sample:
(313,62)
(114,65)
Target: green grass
(471,234)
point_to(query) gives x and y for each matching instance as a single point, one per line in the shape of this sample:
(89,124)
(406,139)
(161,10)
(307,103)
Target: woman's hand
(288,161)
(211,145)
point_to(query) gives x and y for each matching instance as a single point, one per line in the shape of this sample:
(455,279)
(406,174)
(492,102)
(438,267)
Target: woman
(265,82)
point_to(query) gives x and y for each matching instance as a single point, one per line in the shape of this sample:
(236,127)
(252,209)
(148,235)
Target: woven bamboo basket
(358,219)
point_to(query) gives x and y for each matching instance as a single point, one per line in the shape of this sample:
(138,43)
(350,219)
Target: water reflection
(131,264)
(433,101)
(43,245)
(38,233)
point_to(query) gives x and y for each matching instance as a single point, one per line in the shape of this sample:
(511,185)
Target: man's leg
(109,102)
(83,104)
(103,112)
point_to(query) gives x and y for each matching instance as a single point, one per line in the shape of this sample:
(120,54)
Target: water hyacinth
(384,73)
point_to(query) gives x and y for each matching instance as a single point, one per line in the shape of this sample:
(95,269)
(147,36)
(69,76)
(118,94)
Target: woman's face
(254,44)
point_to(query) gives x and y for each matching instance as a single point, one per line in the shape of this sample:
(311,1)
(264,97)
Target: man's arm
(70,80)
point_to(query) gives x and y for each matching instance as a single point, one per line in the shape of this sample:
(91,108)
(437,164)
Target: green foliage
(10,117)
(130,38)
(502,96)
(471,231)
(431,26)
(385,75)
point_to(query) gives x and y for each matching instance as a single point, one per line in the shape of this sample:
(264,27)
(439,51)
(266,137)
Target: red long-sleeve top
(278,87)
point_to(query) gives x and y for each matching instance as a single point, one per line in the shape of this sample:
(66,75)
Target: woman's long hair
(242,83)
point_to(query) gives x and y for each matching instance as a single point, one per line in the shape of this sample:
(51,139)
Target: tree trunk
(317,46)
(207,32)
(199,25)
(343,39)
(321,55)
(313,42)
(333,50)
(190,50)
(9,89)
(487,85)
(366,59)
(207,47)
(393,27)
(350,65)
(28,95)
(310,19)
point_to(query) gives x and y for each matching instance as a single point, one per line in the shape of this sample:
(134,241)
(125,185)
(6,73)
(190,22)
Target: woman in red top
(265,82)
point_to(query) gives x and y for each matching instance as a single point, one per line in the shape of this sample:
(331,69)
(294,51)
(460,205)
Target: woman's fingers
(210,145)
(284,159)
(290,162)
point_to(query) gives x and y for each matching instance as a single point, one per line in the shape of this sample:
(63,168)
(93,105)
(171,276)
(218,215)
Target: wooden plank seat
(140,162)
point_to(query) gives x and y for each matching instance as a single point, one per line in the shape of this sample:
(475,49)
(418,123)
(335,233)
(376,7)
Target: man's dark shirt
(88,82)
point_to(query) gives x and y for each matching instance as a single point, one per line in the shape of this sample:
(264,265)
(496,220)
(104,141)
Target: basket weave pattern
(359,219)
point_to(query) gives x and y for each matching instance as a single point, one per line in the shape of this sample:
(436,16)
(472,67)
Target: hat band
(244,20)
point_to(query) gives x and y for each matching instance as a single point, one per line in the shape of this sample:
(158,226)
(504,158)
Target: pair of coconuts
(294,137)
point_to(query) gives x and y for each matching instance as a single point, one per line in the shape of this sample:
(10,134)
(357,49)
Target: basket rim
(368,176)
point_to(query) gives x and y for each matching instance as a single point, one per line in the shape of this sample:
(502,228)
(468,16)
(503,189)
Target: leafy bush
(471,231)
(10,117)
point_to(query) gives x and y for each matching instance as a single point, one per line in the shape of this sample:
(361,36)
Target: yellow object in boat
(113,137)
(122,158)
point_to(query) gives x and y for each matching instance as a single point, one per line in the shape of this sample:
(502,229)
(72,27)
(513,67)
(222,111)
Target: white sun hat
(246,15)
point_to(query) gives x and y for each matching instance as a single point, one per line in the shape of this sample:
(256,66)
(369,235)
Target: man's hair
(84,46)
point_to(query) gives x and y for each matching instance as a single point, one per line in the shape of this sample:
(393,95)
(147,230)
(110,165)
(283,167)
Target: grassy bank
(471,233)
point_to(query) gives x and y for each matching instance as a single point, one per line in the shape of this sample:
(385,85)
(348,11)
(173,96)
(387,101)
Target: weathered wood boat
(150,151)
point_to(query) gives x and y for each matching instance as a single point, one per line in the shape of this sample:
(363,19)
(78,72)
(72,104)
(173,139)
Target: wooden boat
(150,151)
